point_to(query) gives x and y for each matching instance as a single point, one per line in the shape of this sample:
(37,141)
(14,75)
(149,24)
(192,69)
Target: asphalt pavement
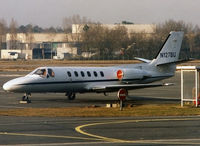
(100,130)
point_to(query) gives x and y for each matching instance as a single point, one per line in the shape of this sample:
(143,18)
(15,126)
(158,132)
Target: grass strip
(140,110)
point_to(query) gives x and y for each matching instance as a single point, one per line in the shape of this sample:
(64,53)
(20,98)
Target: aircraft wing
(110,88)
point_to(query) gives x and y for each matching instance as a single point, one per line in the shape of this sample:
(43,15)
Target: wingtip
(168,84)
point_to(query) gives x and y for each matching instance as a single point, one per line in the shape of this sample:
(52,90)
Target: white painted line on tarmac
(59,144)
(48,136)
(10,75)
(11,107)
(166,141)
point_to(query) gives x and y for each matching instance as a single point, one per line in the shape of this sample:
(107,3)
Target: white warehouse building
(57,45)
(25,45)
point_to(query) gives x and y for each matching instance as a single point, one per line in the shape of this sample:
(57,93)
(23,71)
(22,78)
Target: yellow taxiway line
(93,137)
(79,130)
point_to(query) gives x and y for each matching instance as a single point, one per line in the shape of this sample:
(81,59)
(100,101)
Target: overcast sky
(47,13)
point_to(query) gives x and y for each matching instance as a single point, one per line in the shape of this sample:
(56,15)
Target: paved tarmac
(96,131)
(99,131)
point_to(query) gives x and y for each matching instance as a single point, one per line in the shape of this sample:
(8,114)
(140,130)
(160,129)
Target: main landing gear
(71,95)
(25,98)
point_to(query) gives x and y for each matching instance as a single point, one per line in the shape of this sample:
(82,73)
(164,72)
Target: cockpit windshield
(44,72)
(50,72)
(40,72)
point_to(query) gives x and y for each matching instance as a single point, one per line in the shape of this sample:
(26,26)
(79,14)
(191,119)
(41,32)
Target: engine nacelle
(125,74)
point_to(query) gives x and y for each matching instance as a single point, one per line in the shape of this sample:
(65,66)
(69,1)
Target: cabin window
(102,74)
(89,74)
(76,73)
(51,72)
(41,72)
(82,74)
(95,73)
(69,74)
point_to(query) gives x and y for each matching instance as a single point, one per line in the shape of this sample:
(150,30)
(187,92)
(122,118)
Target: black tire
(72,96)
(24,98)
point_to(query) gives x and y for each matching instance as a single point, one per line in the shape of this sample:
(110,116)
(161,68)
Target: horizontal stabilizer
(143,60)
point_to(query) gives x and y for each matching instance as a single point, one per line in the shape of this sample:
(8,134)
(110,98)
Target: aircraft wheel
(26,98)
(72,96)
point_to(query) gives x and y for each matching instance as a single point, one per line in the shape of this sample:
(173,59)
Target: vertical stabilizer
(170,50)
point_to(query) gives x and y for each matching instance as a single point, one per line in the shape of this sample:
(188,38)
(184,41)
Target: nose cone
(6,87)
(20,85)
(14,84)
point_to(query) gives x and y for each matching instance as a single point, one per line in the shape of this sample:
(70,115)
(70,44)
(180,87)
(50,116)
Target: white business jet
(72,80)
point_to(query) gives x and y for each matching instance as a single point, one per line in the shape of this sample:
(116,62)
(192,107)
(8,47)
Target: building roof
(41,37)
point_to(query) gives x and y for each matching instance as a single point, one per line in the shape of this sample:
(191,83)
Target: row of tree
(13,27)
(67,26)
(107,42)
(117,43)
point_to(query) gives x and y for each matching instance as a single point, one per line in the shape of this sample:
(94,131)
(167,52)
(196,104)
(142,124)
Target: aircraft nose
(7,86)
(10,85)
(16,85)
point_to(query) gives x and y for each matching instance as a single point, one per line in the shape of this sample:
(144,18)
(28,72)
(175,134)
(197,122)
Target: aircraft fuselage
(80,79)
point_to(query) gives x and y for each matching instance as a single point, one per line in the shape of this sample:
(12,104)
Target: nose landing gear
(25,98)
(71,95)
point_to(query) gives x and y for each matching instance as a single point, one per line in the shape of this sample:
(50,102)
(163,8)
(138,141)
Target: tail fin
(170,50)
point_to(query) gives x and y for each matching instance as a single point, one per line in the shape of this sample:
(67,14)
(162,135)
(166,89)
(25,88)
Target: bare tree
(29,36)
(2,32)
(79,22)
(105,41)
(119,40)
(13,34)
(172,25)
(75,19)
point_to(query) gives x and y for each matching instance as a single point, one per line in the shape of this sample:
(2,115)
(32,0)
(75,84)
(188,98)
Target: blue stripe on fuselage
(90,81)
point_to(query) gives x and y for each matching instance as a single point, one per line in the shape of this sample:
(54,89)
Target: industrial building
(56,45)
(38,46)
